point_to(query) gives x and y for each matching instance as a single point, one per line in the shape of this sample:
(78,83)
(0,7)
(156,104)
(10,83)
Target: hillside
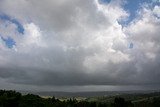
(16,99)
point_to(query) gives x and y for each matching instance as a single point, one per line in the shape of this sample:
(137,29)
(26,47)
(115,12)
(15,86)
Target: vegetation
(16,99)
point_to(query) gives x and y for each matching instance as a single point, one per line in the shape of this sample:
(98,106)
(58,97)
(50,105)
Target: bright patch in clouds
(79,44)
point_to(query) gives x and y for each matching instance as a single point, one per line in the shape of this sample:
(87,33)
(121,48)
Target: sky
(80,45)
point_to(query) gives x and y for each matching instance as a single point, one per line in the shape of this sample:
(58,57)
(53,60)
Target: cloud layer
(79,43)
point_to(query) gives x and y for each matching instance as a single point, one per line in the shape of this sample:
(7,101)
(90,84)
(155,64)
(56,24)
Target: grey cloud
(79,44)
(120,74)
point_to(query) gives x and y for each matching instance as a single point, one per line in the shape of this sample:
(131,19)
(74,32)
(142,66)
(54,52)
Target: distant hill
(87,94)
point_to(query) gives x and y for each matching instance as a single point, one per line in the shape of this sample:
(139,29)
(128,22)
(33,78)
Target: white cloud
(79,43)
(156,11)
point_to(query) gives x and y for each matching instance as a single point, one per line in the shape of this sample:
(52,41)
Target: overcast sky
(79,45)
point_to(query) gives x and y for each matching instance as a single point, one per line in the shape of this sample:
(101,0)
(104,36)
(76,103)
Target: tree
(119,102)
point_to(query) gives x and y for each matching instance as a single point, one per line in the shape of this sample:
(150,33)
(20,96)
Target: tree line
(16,99)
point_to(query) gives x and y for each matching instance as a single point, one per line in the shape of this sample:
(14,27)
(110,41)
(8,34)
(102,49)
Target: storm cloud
(78,43)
